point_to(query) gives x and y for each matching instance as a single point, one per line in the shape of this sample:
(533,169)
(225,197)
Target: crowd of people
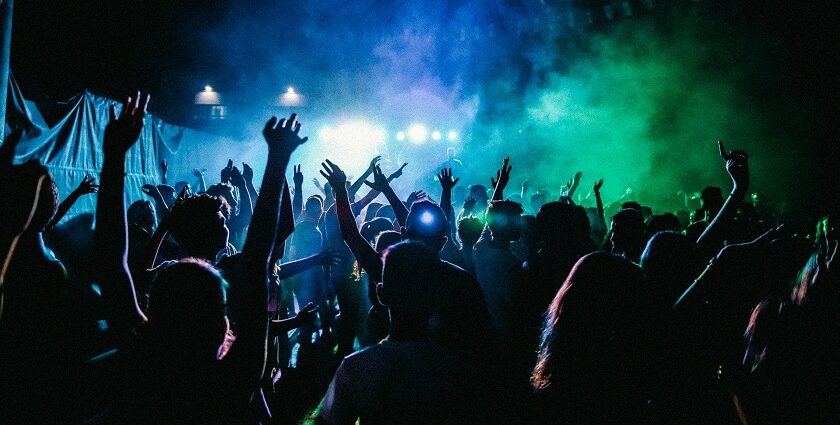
(224,303)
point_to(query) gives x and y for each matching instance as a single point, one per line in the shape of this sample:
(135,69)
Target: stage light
(400,135)
(290,90)
(326,134)
(208,97)
(289,98)
(436,135)
(452,135)
(417,133)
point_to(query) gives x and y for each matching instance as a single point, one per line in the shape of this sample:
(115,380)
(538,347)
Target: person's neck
(409,330)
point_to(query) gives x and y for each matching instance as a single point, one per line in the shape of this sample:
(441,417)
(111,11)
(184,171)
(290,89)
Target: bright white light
(290,90)
(208,88)
(326,134)
(417,133)
(401,135)
(435,135)
(452,135)
(427,218)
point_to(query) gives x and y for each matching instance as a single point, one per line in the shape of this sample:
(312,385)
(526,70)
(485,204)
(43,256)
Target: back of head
(562,225)
(372,228)
(503,218)
(187,304)
(469,230)
(537,200)
(225,191)
(479,193)
(593,322)
(370,211)
(409,277)
(661,222)
(196,226)
(712,199)
(313,207)
(628,227)
(669,265)
(427,223)
(142,213)
(633,205)
(386,239)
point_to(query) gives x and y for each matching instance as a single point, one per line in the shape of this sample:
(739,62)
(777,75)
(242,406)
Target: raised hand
(306,315)
(415,196)
(87,185)
(502,175)
(247,173)
(469,204)
(163,167)
(335,176)
(283,136)
(737,165)
(577,177)
(185,193)
(374,162)
(199,173)
(396,174)
(596,188)
(298,176)
(225,174)
(526,184)
(380,182)
(123,130)
(446,180)
(236,177)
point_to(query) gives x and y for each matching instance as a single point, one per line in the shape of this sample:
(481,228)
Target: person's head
(503,219)
(27,183)
(537,201)
(142,213)
(225,190)
(187,309)
(372,228)
(370,211)
(669,265)
(661,222)
(479,193)
(633,205)
(712,199)
(593,323)
(180,185)
(386,239)
(469,230)
(386,211)
(450,153)
(312,208)
(562,225)
(409,278)
(198,224)
(426,223)
(627,233)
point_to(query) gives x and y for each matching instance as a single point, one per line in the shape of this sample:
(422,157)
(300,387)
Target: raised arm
(200,183)
(248,175)
(596,189)
(737,165)
(286,226)
(324,258)
(447,182)
(86,186)
(361,249)
(252,325)
(164,169)
(575,183)
(500,182)
(160,203)
(111,233)
(380,183)
(361,180)
(246,203)
(297,201)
